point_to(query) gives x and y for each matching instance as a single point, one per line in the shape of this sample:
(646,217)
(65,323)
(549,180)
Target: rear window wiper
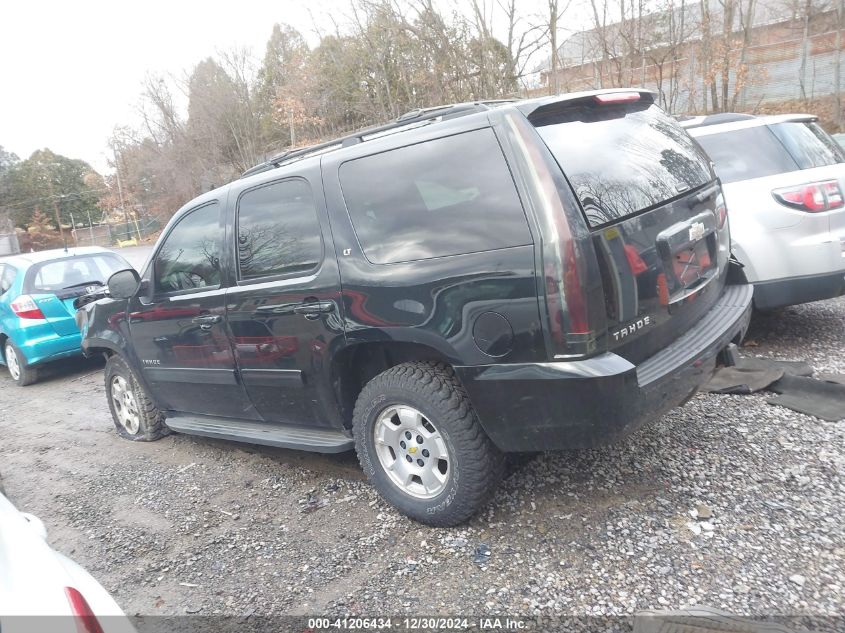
(84,283)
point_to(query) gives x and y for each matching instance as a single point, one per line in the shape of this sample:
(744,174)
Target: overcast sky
(72,70)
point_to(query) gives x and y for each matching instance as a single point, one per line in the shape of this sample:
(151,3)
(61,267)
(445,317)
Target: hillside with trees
(383,58)
(48,192)
(387,60)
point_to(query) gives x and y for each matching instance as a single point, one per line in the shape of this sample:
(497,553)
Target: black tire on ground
(475,465)
(150,421)
(26,374)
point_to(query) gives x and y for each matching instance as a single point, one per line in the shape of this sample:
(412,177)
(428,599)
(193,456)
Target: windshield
(623,159)
(80,270)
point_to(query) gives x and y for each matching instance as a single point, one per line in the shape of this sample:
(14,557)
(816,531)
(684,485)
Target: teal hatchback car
(37,317)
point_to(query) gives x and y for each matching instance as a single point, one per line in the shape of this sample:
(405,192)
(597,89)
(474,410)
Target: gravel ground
(190,525)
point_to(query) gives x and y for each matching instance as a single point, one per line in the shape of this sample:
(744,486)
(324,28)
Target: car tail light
(721,214)
(813,197)
(833,194)
(86,621)
(26,308)
(574,305)
(617,97)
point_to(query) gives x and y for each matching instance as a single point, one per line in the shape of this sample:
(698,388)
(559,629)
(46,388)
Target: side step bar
(266,433)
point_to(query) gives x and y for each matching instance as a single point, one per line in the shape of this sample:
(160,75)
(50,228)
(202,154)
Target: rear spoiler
(537,108)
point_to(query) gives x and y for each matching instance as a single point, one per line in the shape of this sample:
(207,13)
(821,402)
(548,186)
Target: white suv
(783,178)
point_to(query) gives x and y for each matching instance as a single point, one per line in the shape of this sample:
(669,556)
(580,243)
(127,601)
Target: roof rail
(409,120)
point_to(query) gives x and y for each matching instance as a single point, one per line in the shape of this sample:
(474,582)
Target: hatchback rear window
(72,272)
(621,159)
(753,152)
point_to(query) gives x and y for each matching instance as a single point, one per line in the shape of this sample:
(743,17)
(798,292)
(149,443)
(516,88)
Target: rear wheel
(420,444)
(19,370)
(135,416)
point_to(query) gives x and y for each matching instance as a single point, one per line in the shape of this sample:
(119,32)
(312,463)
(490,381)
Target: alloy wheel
(411,451)
(12,362)
(125,405)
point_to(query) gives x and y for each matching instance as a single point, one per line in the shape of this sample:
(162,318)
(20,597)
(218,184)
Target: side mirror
(124,284)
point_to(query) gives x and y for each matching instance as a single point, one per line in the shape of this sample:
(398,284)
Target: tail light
(721,213)
(86,621)
(813,197)
(25,308)
(575,308)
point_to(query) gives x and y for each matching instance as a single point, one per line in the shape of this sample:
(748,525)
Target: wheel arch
(355,365)
(109,348)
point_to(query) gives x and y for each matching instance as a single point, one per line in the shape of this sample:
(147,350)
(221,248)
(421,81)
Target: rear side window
(808,144)
(73,272)
(752,152)
(278,231)
(443,197)
(621,159)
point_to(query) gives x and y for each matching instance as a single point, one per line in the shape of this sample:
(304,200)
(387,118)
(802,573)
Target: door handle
(313,309)
(205,321)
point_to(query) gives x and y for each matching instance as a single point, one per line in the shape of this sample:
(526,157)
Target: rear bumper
(795,290)
(48,348)
(579,404)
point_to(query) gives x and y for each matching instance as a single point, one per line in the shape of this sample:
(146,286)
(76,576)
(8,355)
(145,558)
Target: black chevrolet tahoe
(464,282)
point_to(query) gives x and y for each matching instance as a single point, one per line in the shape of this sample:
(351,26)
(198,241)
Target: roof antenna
(64,237)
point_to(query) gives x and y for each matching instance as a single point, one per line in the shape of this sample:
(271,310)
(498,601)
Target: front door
(178,328)
(283,307)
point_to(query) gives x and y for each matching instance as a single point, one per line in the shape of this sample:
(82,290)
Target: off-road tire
(476,465)
(152,426)
(28,374)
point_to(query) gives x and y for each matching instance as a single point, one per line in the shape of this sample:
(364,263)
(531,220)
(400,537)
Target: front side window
(438,198)
(190,255)
(278,231)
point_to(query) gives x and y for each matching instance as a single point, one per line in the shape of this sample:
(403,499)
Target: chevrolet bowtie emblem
(697,231)
(412,450)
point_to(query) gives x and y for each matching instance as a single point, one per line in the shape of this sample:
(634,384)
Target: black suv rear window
(621,159)
(443,197)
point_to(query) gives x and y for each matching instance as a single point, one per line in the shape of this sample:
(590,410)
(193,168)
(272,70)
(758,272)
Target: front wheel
(19,371)
(421,445)
(135,416)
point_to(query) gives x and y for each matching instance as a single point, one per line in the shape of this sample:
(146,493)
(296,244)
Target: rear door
(284,305)
(654,209)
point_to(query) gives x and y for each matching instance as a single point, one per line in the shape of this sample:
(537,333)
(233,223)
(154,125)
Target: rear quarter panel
(773,241)
(433,302)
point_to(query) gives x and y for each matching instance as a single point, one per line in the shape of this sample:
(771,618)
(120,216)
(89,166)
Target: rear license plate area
(692,264)
(689,254)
